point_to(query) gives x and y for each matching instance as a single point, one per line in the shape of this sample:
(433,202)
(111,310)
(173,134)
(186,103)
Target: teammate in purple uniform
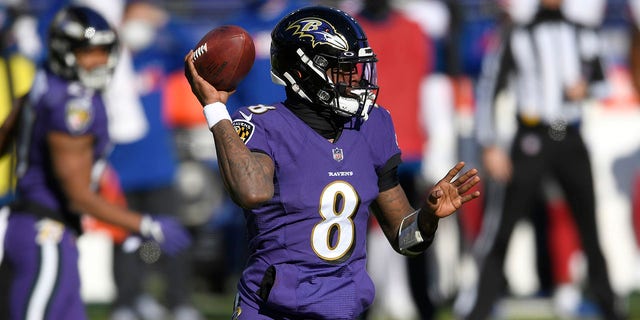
(62,139)
(309,170)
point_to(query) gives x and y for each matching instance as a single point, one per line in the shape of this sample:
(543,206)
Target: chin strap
(295,87)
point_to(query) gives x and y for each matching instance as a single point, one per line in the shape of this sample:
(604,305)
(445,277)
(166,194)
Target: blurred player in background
(62,142)
(307,246)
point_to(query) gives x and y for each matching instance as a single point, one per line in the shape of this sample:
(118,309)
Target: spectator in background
(447,116)
(634,44)
(556,67)
(258,18)
(62,141)
(149,40)
(406,57)
(634,69)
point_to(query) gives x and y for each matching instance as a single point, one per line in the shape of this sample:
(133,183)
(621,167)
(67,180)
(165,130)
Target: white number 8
(338,203)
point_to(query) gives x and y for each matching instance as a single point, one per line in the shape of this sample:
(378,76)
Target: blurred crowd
(437,59)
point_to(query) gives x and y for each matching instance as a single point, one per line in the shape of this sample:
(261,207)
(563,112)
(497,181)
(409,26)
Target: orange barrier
(109,189)
(181,109)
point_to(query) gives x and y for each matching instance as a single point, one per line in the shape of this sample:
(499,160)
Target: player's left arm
(411,231)
(72,161)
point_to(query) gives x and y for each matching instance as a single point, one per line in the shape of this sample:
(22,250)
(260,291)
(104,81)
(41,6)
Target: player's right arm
(247,176)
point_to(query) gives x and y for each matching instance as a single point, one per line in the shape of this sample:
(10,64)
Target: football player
(62,137)
(308,171)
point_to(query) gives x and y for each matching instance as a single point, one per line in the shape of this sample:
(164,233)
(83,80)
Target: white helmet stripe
(305,59)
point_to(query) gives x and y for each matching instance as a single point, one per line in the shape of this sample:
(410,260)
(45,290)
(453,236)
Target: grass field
(218,307)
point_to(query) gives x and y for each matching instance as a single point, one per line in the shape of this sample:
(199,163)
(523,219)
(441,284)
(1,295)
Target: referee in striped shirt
(553,65)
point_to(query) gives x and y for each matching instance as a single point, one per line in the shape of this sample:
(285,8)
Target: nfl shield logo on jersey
(337,154)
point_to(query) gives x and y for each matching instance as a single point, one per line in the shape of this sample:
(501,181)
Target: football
(224,56)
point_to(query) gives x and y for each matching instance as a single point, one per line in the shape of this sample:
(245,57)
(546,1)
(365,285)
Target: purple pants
(43,258)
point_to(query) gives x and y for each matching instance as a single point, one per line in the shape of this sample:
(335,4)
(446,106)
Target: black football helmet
(79,27)
(310,47)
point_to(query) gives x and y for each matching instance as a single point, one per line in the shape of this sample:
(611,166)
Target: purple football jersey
(307,245)
(56,105)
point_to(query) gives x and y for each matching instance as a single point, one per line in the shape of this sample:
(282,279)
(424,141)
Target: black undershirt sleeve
(258,151)
(388,174)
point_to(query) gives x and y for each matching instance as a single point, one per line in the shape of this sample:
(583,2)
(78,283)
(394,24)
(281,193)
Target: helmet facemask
(355,85)
(98,77)
(347,84)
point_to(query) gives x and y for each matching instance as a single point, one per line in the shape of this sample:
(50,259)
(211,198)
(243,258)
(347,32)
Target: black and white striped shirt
(539,61)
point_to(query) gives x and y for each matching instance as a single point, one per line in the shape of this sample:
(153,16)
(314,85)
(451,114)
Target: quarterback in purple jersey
(62,137)
(308,171)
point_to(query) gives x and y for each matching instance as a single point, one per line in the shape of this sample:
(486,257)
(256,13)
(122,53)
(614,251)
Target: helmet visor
(368,73)
(356,74)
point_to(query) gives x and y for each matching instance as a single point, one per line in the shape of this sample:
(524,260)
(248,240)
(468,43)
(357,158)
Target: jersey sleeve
(73,116)
(382,136)
(251,128)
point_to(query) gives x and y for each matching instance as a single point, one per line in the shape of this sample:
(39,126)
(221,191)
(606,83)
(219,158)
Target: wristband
(215,112)
(409,234)
(150,228)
